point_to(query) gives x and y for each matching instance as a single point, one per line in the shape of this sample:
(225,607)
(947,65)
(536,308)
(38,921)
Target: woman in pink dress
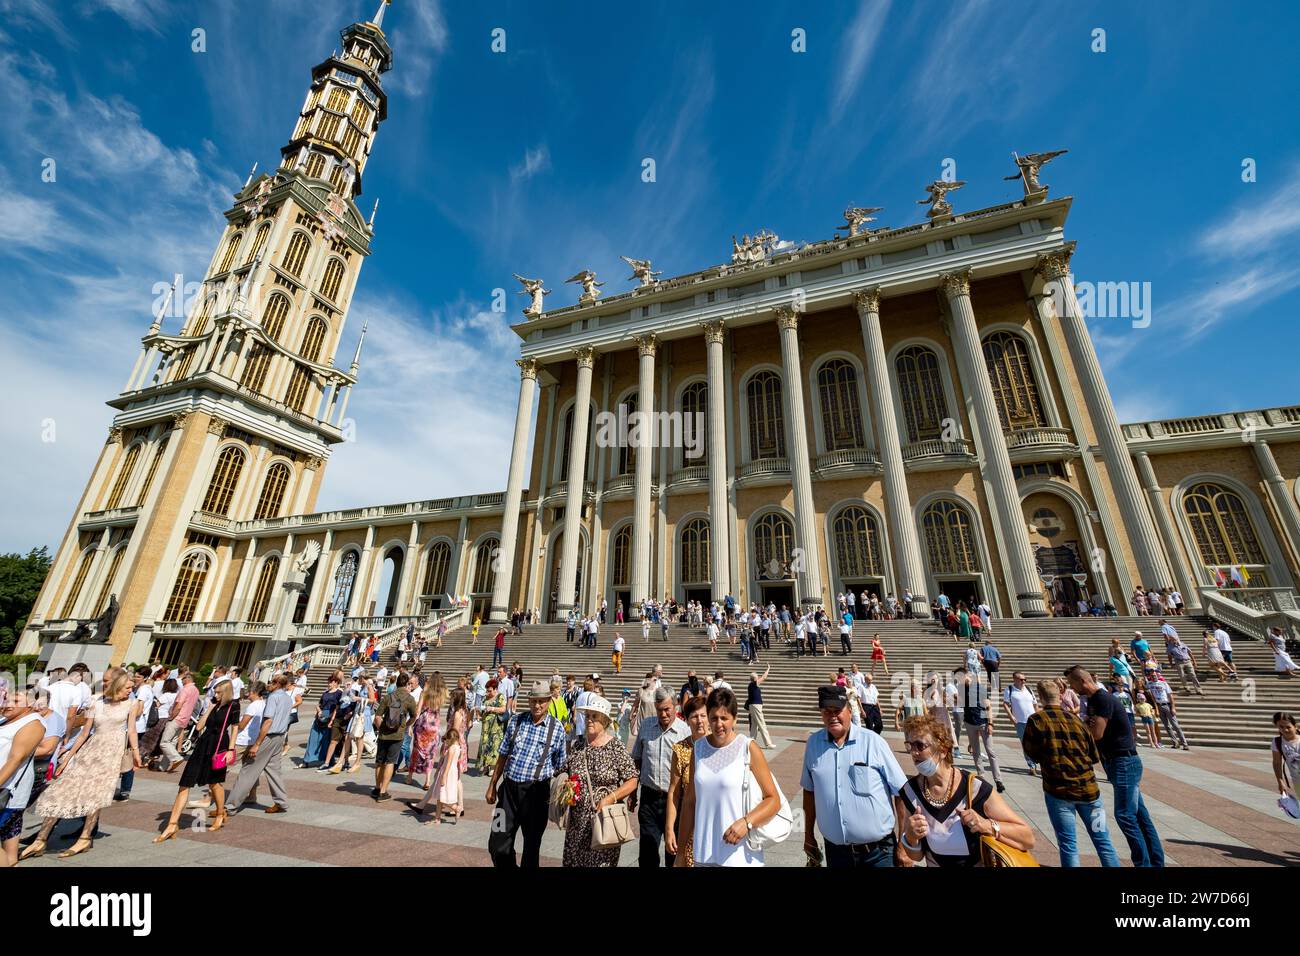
(426,731)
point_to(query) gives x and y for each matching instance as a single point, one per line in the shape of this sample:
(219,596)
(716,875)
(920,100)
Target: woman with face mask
(942,812)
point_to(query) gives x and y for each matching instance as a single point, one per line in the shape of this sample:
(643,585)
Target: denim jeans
(846,857)
(1020,735)
(498,655)
(1125,775)
(1093,815)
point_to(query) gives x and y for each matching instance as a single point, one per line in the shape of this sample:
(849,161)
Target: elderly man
(267,750)
(1181,657)
(532,752)
(653,755)
(850,778)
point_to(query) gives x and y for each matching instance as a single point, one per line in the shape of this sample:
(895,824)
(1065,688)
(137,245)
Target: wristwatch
(748,824)
(997,830)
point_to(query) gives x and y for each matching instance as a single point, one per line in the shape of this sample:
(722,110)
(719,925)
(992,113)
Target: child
(450,793)
(1120,690)
(1147,713)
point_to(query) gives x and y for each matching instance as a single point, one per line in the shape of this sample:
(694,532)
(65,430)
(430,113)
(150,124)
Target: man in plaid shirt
(1063,746)
(532,752)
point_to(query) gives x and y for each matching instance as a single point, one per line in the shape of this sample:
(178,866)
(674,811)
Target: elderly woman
(942,812)
(22,739)
(493,729)
(714,810)
(607,776)
(697,718)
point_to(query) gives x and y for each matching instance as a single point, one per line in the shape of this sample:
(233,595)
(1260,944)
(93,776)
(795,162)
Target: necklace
(948,787)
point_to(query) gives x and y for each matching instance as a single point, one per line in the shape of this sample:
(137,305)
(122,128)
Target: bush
(204,673)
(12,663)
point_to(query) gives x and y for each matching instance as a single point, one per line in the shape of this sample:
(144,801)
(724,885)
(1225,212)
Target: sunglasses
(917,746)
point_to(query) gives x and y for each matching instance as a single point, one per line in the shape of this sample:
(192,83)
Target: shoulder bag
(611,826)
(223,758)
(775,830)
(993,852)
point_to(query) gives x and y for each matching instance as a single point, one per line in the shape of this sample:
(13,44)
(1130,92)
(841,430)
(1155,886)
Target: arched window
(273,316)
(259,356)
(78,582)
(338,99)
(153,470)
(312,340)
(483,558)
(259,242)
(568,441)
(189,585)
(351,140)
(106,589)
(857,543)
(1225,535)
(695,417)
(696,558)
(199,319)
(626,452)
(329,286)
(230,463)
(328,127)
(272,497)
(837,383)
(622,557)
(950,539)
(228,257)
(436,567)
(123,476)
(920,387)
(1012,378)
(265,587)
(315,165)
(344,578)
(766,416)
(773,540)
(338,178)
(296,254)
(361,114)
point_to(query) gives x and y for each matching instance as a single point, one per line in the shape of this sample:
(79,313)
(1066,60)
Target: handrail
(1249,621)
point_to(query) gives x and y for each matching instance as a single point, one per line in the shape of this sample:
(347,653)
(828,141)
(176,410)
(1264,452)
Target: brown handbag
(993,852)
(611,826)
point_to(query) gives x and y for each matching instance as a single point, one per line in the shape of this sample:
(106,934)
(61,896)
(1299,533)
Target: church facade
(894,410)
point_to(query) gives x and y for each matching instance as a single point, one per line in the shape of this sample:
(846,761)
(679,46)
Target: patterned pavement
(1212,807)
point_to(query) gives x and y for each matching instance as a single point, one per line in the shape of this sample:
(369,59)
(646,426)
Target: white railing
(619,484)
(847,457)
(205,519)
(1037,437)
(693,473)
(214,628)
(112,514)
(1192,426)
(938,448)
(375,512)
(368,625)
(766,466)
(1221,604)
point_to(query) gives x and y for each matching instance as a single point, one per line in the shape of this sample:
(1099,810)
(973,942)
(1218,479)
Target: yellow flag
(1245,575)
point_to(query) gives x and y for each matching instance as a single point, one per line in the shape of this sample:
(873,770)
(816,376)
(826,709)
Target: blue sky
(530,161)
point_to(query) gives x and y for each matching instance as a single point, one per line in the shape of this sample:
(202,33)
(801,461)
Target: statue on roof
(855,217)
(641,270)
(590,287)
(938,190)
(754,249)
(1028,167)
(533,289)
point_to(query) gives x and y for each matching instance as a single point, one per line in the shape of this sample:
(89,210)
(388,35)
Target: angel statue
(307,556)
(641,270)
(533,289)
(590,287)
(1029,165)
(855,217)
(938,190)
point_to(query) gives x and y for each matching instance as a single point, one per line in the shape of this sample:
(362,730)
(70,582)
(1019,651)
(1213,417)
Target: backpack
(152,719)
(393,715)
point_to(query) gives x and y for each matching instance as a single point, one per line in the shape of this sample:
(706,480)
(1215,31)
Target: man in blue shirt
(850,777)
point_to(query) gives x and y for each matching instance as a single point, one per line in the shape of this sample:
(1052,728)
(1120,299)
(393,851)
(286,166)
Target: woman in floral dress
(607,774)
(493,730)
(696,716)
(426,731)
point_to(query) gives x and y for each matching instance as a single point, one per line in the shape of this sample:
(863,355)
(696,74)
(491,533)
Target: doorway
(702,594)
(782,595)
(965,590)
(626,598)
(874,586)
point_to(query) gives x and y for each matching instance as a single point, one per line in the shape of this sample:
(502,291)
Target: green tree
(20,581)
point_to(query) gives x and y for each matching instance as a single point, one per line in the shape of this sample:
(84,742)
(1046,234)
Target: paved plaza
(1213,807)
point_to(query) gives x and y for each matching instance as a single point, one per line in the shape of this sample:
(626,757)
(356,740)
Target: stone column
(906,547)
(805,516)
(1278,491)
(1191,596)
(1141,532)
(514,492)
(719,526)
(645,403)
(1026,586)
(573,504)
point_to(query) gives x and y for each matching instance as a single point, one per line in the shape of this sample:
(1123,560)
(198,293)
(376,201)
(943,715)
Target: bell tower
(232,416)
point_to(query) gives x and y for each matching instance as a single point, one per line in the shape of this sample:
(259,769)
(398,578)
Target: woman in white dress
(1282,662)
(1286,754)
(714,806)
(1214,656)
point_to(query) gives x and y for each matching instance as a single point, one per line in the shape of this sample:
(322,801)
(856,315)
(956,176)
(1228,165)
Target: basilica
(917,410)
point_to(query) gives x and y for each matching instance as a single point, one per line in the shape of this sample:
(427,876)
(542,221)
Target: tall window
(230,463)
(296,254)
(361,114)
(695,410)
(483,558)
(1225,535)
(857,543)
(277,307)
(622,552)
(1012,378)
(568,441)
(920,386)
(351,140)
(259,356)
(338,100)
(696,558)
(199,322)
(344,578)
(837,382)
(259,242)
(79,581)
(766,416)
(189,585)
(123,476)
(627,453)
(106,589)
(265,587)
(329,286)
(338,178)
(436,567)
(315,165)
(312,340)
(277,479)
(773,540)
(328,127)
(153,470)
(228,257)
(950,539)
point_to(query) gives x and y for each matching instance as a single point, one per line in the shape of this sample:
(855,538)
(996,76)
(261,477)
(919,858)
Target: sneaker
(323,769)
(121,797)
(1001,786)
(379,797)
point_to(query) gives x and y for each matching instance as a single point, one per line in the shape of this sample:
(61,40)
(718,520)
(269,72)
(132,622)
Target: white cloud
(1194,314)
(856,51)
(536,160)
(1255,222)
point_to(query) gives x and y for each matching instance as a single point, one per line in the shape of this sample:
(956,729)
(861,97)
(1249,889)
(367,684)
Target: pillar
(514,491)
(573,491)
(644,460)
(719,527)
(1191,596)
(808,566)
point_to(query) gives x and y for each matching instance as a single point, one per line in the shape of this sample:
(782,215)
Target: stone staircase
(1230,715)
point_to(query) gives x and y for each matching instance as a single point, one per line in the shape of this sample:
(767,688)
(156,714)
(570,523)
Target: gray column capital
(1054,266)
(956,283)
(528,368)
(787,319)
(586,356)
(714,332)
(647,344)
(867,300)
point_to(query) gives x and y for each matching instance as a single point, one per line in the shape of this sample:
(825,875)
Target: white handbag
(775,830)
